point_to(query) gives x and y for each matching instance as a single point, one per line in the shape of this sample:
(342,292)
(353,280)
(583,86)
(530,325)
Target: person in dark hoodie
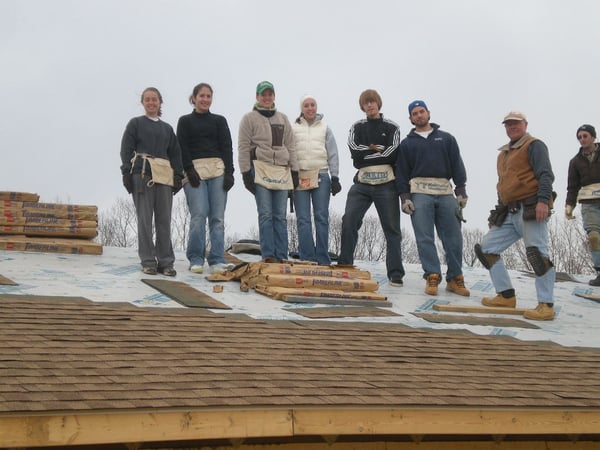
(373,143)
(583,186)
(427,160)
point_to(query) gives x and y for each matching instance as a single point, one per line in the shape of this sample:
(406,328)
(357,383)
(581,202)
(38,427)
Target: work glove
(569,212)
(228,182)
(193,177)
(177,182)
(249,182)
(462,201)
(295,179)
(408,207)
(128,182)
(336,187)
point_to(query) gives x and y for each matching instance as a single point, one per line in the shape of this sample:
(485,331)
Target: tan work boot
(433,279)
(543,311)
(457,285)
(500,301)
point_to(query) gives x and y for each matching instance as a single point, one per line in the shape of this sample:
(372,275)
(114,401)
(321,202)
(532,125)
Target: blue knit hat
(416,103)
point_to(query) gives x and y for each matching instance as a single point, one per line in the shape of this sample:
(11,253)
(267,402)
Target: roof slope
(76,355)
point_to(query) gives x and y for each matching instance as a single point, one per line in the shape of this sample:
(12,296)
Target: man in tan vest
(525,198)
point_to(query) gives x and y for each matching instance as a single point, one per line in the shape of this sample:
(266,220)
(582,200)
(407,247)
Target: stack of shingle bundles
(280,280)
(28,225)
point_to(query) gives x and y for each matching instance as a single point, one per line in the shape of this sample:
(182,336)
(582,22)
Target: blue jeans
(590,213)
(360,198)
(320,204)
(437,213)
(272,222)
(534,234)
(207,201)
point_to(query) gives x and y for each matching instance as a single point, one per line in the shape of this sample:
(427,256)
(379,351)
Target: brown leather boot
(500,301)
(431,287)
(457,285)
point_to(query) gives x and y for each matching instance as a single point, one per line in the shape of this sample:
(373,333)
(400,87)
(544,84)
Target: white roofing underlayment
(115,277)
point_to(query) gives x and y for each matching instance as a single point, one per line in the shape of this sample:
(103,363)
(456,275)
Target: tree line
(568,242)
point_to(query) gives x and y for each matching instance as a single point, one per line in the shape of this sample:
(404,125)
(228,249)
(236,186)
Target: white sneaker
(221,267)
(197,268)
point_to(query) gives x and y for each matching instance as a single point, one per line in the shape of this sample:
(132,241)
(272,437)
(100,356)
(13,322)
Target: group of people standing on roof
(422,175)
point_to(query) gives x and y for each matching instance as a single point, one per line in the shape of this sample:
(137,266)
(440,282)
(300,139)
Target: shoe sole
(539,318)
(468,294)
(491,305)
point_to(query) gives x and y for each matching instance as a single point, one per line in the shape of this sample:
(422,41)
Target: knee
(594,240)
(487,260)
(539,263)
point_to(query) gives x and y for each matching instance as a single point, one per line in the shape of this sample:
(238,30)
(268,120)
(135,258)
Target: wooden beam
(450,421)
(87,429)
(237,426)
(479,309)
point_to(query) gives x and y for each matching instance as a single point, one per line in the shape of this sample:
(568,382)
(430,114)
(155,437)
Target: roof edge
(148,426)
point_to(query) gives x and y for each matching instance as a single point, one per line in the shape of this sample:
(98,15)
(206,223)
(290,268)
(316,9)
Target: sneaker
(543,311)
(595,281)
(433,279)
(221,267)
(458,286)
(197,268)
(167,271)
(149,270)
(396,282)
(500,301)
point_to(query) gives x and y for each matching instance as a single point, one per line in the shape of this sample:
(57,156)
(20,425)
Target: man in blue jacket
(427,159)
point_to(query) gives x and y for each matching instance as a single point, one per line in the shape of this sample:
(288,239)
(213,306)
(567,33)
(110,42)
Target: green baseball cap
(263,86)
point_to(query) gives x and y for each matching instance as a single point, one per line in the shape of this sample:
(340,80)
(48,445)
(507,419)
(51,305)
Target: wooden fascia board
(106,428)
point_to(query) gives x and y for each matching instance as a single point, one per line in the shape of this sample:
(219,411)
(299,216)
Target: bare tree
(410,252)
(470,238)
(569,248)
(117,227)
(180,223)
(335,232)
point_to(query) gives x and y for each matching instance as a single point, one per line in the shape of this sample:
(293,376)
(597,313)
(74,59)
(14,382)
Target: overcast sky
(72,74)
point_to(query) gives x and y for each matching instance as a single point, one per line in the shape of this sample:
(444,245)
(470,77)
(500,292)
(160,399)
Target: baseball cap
(263,86)
(515,115)
(416,103)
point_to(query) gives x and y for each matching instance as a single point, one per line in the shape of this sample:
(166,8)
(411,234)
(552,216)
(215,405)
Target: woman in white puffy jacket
(318,165)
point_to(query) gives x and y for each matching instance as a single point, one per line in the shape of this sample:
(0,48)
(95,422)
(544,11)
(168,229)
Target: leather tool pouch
(498,215)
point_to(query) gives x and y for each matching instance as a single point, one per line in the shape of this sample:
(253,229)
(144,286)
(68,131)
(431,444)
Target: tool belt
(160,168)
(273,177)
(209,168)
(374,175)
(498,215)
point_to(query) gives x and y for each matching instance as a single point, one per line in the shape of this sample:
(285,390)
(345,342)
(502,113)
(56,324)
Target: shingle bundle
(28,225)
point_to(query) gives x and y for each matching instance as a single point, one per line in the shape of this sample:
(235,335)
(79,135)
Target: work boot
(457,285)
(500,301)
(543,311)
(595,281)
(431,287)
